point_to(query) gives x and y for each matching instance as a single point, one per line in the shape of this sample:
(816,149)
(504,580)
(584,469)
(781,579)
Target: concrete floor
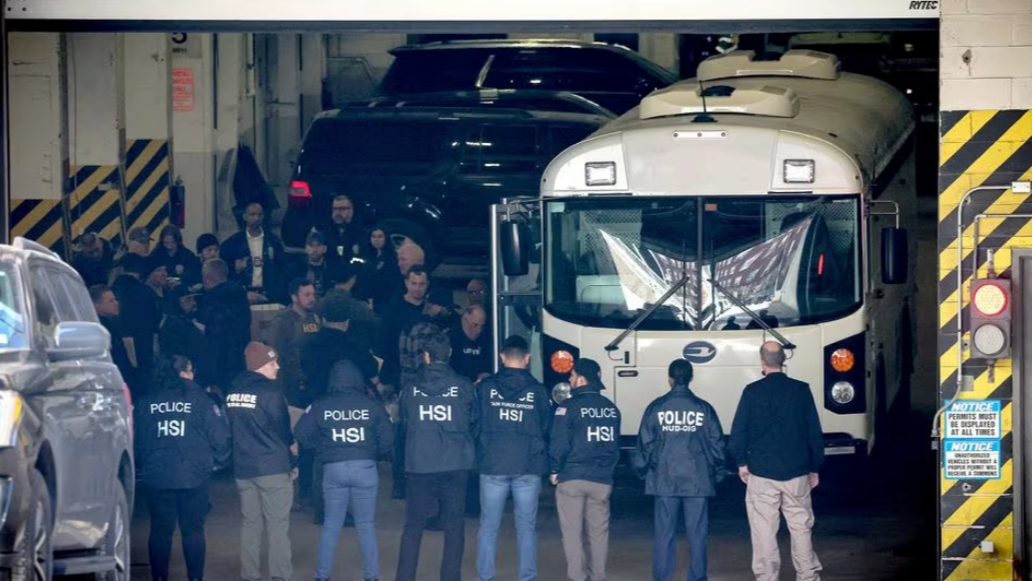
(878,528)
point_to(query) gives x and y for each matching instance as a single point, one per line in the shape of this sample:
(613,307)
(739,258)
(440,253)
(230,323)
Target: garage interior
(115,125)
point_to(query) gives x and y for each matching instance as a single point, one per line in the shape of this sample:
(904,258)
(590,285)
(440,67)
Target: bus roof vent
(688,99)
(804,64)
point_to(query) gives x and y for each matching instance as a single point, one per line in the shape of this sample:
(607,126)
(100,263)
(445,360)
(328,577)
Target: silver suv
(66,462)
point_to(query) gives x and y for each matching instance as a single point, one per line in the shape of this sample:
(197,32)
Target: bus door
(1022,281)
(517,300)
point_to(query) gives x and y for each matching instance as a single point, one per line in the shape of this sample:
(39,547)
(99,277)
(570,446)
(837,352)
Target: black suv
(436,167)
(529,99)
(66,463)
(613,76)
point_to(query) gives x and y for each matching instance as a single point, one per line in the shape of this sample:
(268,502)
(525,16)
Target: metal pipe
(961,282)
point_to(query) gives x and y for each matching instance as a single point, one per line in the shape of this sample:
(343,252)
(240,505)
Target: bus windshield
(791,260)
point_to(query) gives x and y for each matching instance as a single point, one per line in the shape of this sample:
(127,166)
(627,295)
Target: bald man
(471,345)
(778,444)
(409,255)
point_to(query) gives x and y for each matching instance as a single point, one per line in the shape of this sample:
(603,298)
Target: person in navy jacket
(584,449)
(179,436)
(681,454)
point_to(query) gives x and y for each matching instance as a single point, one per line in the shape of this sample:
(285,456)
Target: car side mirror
(79,340)
(515,248)
(894,255)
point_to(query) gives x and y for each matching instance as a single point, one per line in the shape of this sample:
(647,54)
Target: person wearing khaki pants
(583,452)
(778,444)
(264,453)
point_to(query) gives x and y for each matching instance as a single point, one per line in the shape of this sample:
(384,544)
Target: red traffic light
(990,298)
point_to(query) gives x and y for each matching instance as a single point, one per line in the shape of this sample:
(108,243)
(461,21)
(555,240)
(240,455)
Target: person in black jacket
(257,259)
(513,420)
(180,263)
(226,316)
(180,435)
(778,444)
(94,260)
(352,431)
(436,417)
(106,304)
(179,333)
(263,458)
(343,239)
(583,453)
(681,454)
(140,315)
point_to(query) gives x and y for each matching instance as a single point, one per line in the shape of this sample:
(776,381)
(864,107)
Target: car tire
(35,554)
(398,230)
(116,541)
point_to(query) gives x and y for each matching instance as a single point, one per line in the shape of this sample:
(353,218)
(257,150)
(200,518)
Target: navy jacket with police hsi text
(680,448)
(436,418)
(513,422)
(261,427)
(585,440)
(346,424)
(179,435)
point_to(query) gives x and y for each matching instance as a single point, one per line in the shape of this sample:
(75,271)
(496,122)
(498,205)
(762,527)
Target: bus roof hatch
(689,99)
(806,64)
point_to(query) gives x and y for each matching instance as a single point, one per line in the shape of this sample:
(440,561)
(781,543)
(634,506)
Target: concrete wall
(985,54)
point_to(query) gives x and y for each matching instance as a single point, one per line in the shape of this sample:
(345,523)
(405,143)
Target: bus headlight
(798,171)
(600,173)
(561,392)
(842,392)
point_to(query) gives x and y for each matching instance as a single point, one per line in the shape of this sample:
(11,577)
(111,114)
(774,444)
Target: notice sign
(973,419)
(182,90)
(972,459)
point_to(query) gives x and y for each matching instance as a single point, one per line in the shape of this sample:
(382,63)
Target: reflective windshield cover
(791,260)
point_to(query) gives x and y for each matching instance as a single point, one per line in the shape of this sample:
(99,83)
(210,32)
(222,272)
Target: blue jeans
(494,491)
(355,480)
(665,524)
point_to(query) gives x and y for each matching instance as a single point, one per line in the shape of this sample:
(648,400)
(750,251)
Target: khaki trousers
(584,509)
(764,499)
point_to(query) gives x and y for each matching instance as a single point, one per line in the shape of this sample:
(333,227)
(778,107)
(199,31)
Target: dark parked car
(439,168)
(529,99)
(613,76)
(66,463)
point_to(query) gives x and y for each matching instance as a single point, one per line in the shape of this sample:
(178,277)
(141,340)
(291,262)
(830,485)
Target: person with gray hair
(777,441)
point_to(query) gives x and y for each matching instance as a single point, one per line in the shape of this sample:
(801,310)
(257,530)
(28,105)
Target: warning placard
(973,419)
(972,459)
(182,89)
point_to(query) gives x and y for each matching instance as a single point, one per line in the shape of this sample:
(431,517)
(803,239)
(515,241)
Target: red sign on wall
(182,90)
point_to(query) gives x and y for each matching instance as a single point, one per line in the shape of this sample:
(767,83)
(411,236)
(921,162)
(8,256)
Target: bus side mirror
(514,246)
(894,256)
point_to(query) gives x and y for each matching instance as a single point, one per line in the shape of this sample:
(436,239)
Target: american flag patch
(561,411)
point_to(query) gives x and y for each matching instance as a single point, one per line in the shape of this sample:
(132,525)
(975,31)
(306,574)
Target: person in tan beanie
(264,453)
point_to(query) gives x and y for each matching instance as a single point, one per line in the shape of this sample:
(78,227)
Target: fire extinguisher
(177,204)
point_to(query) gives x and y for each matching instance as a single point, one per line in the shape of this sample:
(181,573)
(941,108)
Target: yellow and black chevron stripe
(979,148)
(39,220)
(95,203)
(147,184)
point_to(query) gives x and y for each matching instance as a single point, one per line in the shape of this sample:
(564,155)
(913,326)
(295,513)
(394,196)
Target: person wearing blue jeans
(354,483)
(494,491)
(681,454)
(350,430)
(514,415)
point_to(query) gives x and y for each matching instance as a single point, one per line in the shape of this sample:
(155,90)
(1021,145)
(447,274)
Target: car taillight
(300,195)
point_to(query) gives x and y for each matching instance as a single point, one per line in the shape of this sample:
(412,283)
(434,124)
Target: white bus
(724,211)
